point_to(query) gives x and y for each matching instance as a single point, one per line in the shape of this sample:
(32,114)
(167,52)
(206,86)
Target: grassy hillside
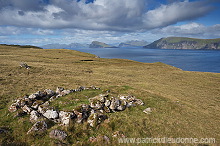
(184,43)
(200,41)
(184,104)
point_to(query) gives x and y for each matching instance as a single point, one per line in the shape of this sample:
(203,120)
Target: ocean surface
(188,60)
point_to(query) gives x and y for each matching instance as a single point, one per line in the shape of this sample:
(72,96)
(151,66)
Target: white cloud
(12,30)
(116,15)
(190,30)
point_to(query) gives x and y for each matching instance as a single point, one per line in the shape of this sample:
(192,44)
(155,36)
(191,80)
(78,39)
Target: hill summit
(96,44)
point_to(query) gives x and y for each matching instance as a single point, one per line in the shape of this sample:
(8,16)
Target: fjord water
(188,60)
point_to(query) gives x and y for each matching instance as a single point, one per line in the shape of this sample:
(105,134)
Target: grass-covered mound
(184,104)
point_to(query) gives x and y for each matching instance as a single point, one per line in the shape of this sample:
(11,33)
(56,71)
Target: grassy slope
(185,104)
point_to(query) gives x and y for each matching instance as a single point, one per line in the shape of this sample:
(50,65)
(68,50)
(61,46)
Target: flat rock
(51,114)
(147,110)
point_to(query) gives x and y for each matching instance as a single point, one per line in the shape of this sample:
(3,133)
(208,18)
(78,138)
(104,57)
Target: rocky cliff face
(185,43)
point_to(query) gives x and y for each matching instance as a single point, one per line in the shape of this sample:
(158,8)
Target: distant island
(65,46)
(133,43)
(96,44)
(185,43)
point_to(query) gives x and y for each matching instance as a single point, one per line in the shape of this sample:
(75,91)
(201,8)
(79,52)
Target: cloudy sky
(39,22)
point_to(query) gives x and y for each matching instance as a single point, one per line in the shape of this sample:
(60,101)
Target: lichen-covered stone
(114,104)
(106,109)
(49,92)
(38,127)
(34,116)
(58,134)
(42,108)
(26,109)
(59,90)
(147,110)
(65,92)
(51,114)
(93,120)
(122,106)
(66,117)
(36,104)
(138,102)
(32,96)
(107,103)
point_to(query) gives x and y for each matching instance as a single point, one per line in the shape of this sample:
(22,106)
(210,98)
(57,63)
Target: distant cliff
(185,43)
(96,44)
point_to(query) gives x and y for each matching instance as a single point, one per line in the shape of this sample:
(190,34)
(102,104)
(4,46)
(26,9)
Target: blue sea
(188,60)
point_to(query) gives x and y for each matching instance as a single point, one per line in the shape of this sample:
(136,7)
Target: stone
(100,97)
(118,134)
(49,92)
(13,108)
(138,102)
(93,120)
(107,103)
(122,106)
(147,110)
(28,101)
(86,110)
(66,117)
(21,102)
(81,88)
(65,92)
(58,134)
(130,98)
(26,109)
(52,98)
(79,117)
(34,116)
(36,104)
(42,108)
(51,114)
(114,104)
(23,64)
(32,96)
(38,127)
(106,109)
(96,105)
(59,90)
(40,94)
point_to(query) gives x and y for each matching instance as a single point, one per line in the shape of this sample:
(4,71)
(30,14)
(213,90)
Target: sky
(40,22)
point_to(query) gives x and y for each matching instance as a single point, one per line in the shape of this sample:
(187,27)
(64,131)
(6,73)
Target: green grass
(183,103)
